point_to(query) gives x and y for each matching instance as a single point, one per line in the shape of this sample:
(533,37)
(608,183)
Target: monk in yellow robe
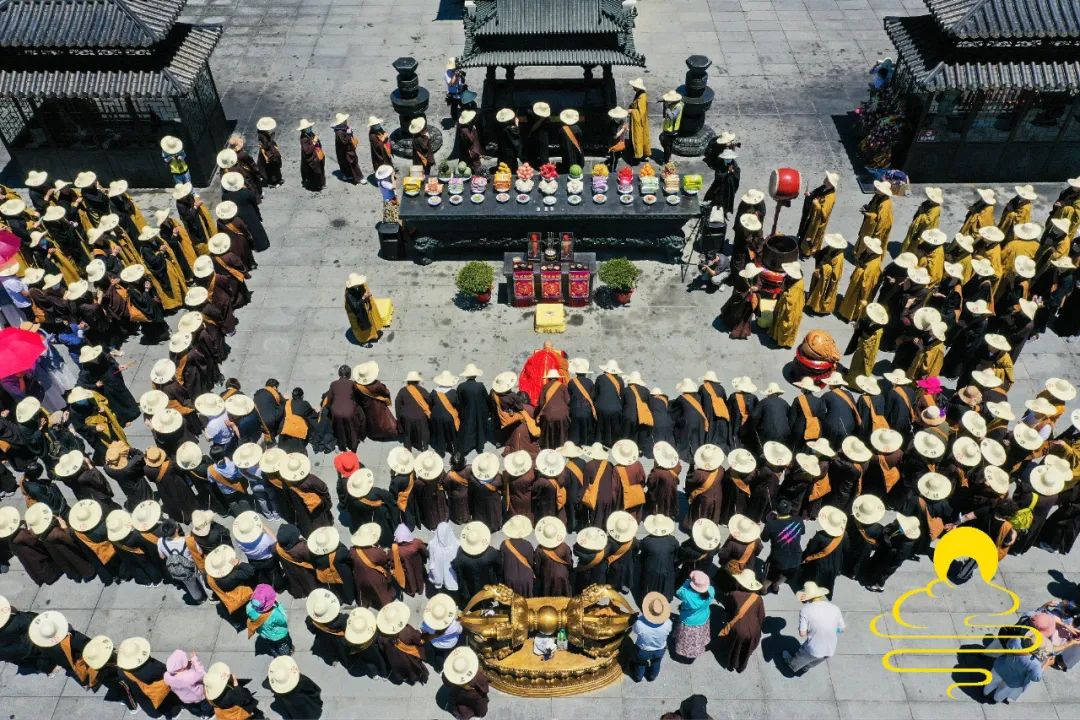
(866,341)
(68,268)
(1017,210)
(1025,242)
(825,281)
(989,247)
(998,360)
(640,133)
(926,217)
(959,252)
(817,209)
(787,315)
(367,314)
(931,254)
(980,214)
(930,358)
(175,235)
(864,280)
(1067,207)
(163,269)
(878,213)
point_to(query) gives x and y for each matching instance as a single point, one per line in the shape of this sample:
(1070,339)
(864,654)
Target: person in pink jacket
(184,675)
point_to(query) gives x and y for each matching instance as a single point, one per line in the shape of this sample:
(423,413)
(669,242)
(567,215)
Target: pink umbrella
(9,245)
(19,350)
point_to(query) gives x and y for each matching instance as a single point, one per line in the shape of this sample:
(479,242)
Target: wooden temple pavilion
(95,84)
(588,34)
(991,89)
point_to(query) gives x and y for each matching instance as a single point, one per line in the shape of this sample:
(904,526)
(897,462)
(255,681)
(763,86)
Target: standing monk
(864,279)
(379,140)
(570,146)
(468,144)
(817,209)
(345,149)
(536,136)
(422,154)
(928,216)
(826,278)
(789,307)
(638,109)
(509,140)
(877,214)
(312,158)
(1018,210)
(269,158)
(980,214)
(553,411)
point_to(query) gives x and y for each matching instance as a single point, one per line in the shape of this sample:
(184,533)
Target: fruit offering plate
(599,198)
(673,200)
(434,200)
(502,197)
(522,198)
(626,199)
(574,200)
(648,199)
(456,199)
(477,198)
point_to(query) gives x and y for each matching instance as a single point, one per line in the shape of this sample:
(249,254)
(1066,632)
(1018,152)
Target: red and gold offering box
(551,284)
(524,289)
(579,288)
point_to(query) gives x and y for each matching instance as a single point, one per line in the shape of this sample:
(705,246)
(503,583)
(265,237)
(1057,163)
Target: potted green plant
(476,278)
(621,276)
(444,172)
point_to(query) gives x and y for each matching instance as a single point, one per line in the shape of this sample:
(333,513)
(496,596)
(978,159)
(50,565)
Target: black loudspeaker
(391,243)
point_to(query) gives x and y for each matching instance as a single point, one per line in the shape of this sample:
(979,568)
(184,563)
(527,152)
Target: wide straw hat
(517,463)
(27,409)
(393,617)
(868,509)
(621,526)
(592,538)
(360,483)
(772,389)
(220,561)
(906,260)
(1028,231)
(83,516)
(809,464)
(1048,479)
(475,538)
(637,84)
(855,449)
(118,525)
(569,116)
(367,535)
(665,456)
(440,612)
(69,463)
(1027,437)
(750,222)
(873,244)
(611,367)
(517,527)
(132,653)
(983,267)
(753,196)
(996,479)
(97,651)
(877,313)
(550,532)
(776,454)
(708,457)
(596,452)
(216,679)
(461,666)
(322,606)
(466,117)
(882,187)
(925,317)
(48,629)
(909,525)
(166,421)
(324,540)
(239,405)
(868,384)
(699,581)
(792,269)
(986,379)
(504,382)
(219,244)
(1041,406)
(934,194)
(934,486)
(671,97)
(1024,267)
(210,404)
(835,241)
(541,109)
(705,534)
(295,467)
(966,452)
(656,608)
(954,270)
(747,580)
(146,515)
(133,273)
(987,195)
(9,521)
(821,447)
(686,385)
(226,158)
(266,124)
(993,452)
(929,445)
(85,179)
(741,461)
(659,525)
(1061,389)
(247,527)
(428,465)
(201,520)
(743,383)
(569,450)
(95,270)
(625,452)
(833,520)
(743,528)
(886,440)
(485,466)
(283,675)
(445,378)
(232,181)
(360,627)
(811,591)
(188,456)
(934,237)
(550,463)
(190,321)
(618,113)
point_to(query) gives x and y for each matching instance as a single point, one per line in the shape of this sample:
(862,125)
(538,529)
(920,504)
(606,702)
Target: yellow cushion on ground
(550,318)
(385,306)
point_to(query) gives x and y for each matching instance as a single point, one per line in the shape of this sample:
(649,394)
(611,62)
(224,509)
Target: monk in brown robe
(518,557)
(662,485)
(602,494)
(408,555)
(704,489)
(518,479)
(34,558)
(404,648)
(430,497)
(486,491)
(345,148)
(375,402)
(379,141)
(413,412)
(374,584)
(312,158)
(553,411)
(553,560)
(746,614)
(456,486)
(296,561)
(346,416)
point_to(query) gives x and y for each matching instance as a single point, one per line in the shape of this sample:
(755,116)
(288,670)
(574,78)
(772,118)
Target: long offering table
(496,225)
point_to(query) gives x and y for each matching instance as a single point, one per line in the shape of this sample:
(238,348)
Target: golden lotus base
(525,674)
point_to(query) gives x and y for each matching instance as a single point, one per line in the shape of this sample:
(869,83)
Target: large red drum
(785,184)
